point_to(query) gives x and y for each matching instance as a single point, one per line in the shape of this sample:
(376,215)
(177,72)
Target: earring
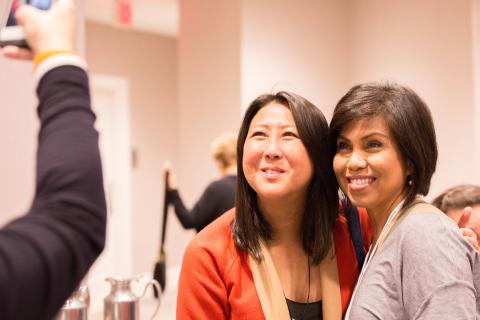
(409,181)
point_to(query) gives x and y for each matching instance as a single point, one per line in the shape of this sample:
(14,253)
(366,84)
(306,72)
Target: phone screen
(39,4)
(13,34)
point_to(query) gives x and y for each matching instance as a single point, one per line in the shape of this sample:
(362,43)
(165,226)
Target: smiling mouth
(356,184)
(272,173)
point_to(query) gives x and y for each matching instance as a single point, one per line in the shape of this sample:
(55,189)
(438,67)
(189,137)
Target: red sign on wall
(124,12)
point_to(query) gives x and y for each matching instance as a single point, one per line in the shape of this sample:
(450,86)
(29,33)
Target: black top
(305,311)
(45,254)
(215,200)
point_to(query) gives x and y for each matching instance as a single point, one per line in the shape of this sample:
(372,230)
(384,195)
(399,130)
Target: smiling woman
(369,167)
(275,161)
(284,252)
(383,142)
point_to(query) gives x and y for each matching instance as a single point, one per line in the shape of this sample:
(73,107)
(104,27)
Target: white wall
(18,129)
(295,46)
(149,63)
(322,48)
(208,92)
(476,84)
(426,45)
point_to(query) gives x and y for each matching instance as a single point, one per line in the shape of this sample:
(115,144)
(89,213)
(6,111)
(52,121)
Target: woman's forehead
(373,123)
(273,113)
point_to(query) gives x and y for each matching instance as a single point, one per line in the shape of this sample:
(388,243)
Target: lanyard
(392,218)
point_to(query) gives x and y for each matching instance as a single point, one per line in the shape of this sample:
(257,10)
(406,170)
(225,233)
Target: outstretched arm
(45,254)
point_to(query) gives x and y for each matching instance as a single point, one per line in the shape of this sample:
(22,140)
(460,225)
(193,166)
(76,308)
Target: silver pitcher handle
(154,283)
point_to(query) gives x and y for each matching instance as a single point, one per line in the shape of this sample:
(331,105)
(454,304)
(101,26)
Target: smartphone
(12,34)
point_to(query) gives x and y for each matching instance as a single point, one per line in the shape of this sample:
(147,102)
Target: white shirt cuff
(57,60)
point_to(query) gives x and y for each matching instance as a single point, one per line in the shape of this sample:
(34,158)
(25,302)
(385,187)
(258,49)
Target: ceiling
(158,16)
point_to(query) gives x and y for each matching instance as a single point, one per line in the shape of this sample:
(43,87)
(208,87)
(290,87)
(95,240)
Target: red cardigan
(216,281)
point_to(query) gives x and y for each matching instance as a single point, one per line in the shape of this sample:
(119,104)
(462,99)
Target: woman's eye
(258,134)
(290,134)
(342,145)
(374,144)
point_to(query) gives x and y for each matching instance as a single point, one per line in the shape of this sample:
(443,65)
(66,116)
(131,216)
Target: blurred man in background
(462,199)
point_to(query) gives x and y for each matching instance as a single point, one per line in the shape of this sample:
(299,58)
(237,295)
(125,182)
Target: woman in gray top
(382,140)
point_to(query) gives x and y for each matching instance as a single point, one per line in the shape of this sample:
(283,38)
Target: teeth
(268,171)
(363,181)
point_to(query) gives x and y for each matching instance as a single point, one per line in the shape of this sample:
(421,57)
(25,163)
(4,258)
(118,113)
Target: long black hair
(321,208)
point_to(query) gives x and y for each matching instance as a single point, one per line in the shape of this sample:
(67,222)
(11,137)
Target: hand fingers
(63,5)
(468,232)
(474,243)
(25,14)
(471,237)
(14,52)
(465,217)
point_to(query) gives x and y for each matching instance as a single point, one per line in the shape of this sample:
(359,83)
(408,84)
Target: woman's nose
(273,149)
(356,161)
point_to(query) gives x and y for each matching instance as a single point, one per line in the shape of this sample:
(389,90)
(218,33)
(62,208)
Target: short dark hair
(321,208)
(408,119)
(458,197)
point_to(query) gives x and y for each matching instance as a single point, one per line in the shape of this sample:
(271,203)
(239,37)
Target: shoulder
(214,241)
(223,182)
(430,231)
(429,221)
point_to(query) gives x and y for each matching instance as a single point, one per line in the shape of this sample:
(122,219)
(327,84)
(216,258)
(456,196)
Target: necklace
(304,307)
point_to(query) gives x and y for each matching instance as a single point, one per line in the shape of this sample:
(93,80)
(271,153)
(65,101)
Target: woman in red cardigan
(284,252)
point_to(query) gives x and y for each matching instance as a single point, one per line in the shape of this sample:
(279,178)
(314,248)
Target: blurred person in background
(218,197)
(462,204)
(45,254)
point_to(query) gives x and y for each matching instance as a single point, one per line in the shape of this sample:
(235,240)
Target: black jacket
(215,200)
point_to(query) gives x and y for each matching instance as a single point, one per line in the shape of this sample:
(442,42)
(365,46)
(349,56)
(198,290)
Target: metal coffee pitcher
(76,307)
(122,303)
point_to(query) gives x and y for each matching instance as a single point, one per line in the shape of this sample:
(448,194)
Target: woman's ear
(409,172)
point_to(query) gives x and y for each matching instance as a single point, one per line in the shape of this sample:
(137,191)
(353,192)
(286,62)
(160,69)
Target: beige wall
(321,48)
(429,48)
(149,63)
(297,47)
(208,92)
(476,84)
(18,129)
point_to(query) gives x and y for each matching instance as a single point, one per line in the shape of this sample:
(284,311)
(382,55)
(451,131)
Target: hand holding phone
(53,29)
(13,34)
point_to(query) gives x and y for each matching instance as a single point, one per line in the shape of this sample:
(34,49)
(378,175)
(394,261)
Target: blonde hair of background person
(45,254)
(462,204)
(218,197)
(224,151)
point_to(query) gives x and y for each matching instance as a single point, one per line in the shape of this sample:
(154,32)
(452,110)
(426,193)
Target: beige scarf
(270,292)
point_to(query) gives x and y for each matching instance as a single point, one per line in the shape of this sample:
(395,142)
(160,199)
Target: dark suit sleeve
(45,254)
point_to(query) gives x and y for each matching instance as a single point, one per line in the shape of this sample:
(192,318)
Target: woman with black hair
(284,252)
(383,142)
